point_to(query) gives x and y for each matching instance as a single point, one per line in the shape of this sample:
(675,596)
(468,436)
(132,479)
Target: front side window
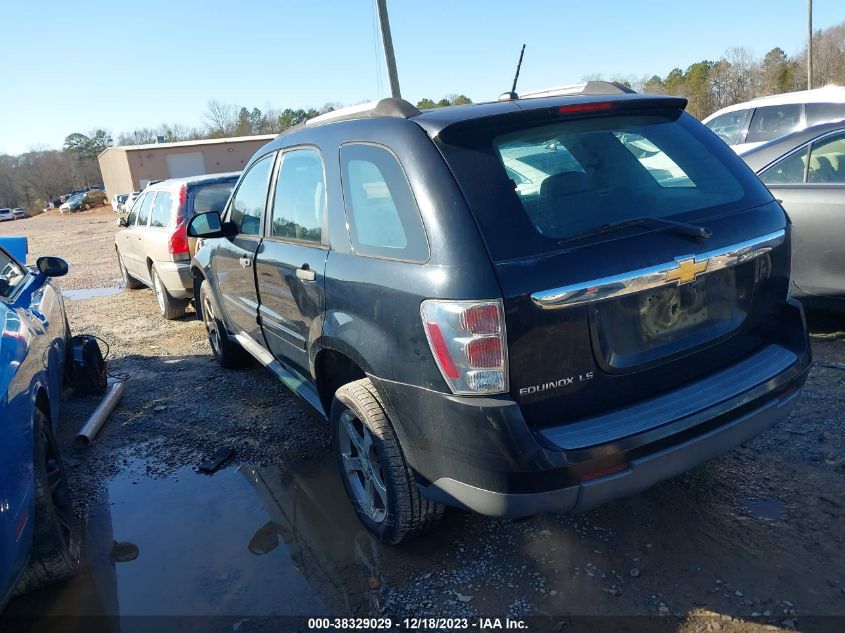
(770,122)
(144,209)
(250,199)
(788,170)
(133,212)
(383,217)
(729,126)
(12,275)
(300,198)
(161,209)
(827,161)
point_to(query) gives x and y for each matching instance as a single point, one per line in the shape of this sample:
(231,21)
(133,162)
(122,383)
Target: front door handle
(305,273)
(246,262)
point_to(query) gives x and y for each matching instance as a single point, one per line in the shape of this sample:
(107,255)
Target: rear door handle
(305,273)
(246,262)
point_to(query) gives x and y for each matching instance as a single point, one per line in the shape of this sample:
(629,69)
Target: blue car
(38,544)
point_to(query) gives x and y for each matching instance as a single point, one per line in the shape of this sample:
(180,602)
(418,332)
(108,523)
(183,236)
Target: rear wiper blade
(692,230)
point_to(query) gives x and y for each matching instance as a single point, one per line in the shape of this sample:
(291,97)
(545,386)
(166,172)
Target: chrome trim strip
(654,276)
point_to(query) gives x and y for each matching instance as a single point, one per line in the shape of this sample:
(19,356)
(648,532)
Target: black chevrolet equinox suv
(539,304)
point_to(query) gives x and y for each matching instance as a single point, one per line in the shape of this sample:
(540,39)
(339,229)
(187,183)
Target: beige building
(130,167)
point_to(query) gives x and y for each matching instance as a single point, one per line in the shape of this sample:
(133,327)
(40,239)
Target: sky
(119,65)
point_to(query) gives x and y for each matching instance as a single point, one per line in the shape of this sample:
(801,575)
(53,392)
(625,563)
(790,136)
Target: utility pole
(387,41)
(809,44)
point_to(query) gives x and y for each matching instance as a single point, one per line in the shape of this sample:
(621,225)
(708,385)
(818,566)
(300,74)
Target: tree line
(738,76)
(42,174)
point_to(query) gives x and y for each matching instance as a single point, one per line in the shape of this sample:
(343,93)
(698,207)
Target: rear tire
(55,543)
(376,476)
(128,280)
(169,307)
(226,351)
(87,207)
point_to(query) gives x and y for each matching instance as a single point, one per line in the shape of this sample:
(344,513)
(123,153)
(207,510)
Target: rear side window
(824,112)
(770,122)
(300,198)
(208,198)
(251,197)
(579,174)
(161,209)
(383,217)
(144,209)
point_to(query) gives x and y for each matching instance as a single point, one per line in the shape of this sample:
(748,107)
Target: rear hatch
(635,251)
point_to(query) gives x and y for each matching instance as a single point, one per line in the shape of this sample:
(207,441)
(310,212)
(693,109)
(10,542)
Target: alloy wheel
(211,325)
(159,292)
(123,272)
(362,466)
(56,482)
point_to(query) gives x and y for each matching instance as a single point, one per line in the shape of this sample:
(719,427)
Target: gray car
(806,170)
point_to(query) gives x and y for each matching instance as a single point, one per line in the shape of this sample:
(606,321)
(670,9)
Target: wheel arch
(197,277)
(334,368)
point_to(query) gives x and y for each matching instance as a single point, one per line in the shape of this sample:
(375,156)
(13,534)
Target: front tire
(128,280)
(226,351)
(169,307)
(55,543)
(376,476)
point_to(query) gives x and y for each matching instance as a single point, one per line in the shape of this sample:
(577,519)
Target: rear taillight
(177,245)
(467,339)
(182,203)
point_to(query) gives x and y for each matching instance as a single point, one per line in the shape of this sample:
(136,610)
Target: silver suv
(152,246)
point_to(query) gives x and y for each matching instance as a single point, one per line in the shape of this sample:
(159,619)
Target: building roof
(204,141)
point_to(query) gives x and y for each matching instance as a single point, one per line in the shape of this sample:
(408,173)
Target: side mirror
(51,266)
(210,225)
(122,222)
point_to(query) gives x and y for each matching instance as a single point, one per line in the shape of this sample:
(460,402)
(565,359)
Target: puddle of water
(767,508)
(90,293)
(249,541)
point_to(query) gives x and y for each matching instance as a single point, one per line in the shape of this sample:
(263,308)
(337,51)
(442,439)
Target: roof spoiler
(544,112)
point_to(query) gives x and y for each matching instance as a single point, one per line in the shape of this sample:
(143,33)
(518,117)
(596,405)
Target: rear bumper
(641,473)
(479,453)
(176,277)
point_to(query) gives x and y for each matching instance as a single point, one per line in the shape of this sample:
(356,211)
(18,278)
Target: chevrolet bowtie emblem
(687,270)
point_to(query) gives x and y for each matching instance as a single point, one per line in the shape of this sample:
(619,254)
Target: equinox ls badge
(556,384)
(687,271)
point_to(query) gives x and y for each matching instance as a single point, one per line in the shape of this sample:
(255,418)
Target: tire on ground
(55,552)
(169,307)
(226,351)
(409,514)
(128,280)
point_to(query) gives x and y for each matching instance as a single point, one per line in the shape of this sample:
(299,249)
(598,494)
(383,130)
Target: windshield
(556,181)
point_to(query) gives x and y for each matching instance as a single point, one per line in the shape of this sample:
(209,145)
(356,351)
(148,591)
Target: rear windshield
(537,188)
(211,197)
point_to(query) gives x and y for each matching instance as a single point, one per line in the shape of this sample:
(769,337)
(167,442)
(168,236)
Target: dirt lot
(752,541)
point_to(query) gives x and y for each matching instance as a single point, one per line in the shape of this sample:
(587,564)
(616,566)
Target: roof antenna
(512,96)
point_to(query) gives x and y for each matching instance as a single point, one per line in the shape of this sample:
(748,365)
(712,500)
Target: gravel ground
(751,541)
